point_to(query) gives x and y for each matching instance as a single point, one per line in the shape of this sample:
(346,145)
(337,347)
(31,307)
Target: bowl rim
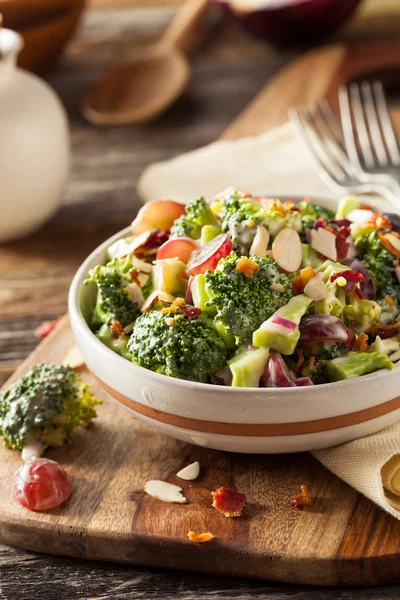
(83,328)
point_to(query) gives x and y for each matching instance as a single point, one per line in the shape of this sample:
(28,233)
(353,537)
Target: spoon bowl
(137,91)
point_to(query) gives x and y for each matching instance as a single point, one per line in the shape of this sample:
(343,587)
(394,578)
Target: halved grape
(41,484)
(209,255)
(324,328)
(276,372)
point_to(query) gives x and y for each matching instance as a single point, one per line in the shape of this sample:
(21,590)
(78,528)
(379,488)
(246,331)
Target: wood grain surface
(35,273)
(342,540)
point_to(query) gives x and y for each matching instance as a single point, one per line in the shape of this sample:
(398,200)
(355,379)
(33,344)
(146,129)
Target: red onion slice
(283,322)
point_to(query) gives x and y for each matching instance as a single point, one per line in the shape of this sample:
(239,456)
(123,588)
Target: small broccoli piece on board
(114,302)
(45,405)
(179,341)
(198,214)
(245,292)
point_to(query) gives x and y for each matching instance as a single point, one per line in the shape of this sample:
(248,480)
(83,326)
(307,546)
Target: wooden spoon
(141,89)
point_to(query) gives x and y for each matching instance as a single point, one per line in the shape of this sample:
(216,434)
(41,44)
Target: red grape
(209,255)
(276,373)
(41,484)
(324,328)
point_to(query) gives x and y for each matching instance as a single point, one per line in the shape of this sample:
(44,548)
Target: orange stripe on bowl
(256,429)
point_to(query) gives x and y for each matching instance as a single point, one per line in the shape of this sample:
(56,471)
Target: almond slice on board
(190,472)
(287,250)
(73,358)
(166,492)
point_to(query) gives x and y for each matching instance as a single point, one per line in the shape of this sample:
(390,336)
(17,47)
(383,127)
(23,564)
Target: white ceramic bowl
(235,419)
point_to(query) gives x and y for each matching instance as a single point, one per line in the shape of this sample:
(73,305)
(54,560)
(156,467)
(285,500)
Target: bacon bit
(116,329)
(300,362)
(385,331)
(300,282)
(177,303)
(134,275)
(385,242)
(352,279)
(303,499)
(200,537)
(247,267)
(229,502)
(311,362)
(389,300)
(44,329)
(361,344)
(380,221)
(192,312)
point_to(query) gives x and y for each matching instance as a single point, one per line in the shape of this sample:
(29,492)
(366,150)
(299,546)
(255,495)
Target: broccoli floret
(360,314)
(310,212)
(113,302)
(245,295)
(46,405)
(180,342)
(379,263)
(240,217)
(198,214)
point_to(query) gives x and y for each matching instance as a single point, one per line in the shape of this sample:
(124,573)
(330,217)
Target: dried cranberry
(351,277)
(192,312)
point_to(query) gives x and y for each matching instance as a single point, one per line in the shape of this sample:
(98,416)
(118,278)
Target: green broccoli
(240,217)
(45,405)
(310,212)
(113,302)
(245,299)
(379,263)
(355,364)
(180,342)
(360,313)
(198,214)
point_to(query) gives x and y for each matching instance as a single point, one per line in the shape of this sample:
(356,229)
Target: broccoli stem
(355,365)
(273,335)
(247,367)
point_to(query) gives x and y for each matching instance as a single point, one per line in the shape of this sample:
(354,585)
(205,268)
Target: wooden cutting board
(343,539)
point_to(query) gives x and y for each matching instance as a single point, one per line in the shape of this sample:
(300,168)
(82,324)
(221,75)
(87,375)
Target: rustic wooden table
(35,273)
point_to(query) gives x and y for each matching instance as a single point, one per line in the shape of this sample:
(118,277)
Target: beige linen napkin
(276,163)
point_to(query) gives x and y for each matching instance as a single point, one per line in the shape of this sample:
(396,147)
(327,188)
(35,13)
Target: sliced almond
(136,293)
(316,288)
(394,240)
(141,265)
(166,492)
(278,287)
(190,472)
(129,328)
(154,298)
(324,241)
(260,243)
(73,358)
(143,279)
(287,250)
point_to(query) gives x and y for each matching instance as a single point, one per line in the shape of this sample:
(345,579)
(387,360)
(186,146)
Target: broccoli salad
(249,291)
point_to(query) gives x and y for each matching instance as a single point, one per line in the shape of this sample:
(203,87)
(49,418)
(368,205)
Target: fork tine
(348,127)
(373,123)
(328,136)
(361,127)
(331,121)
(386,122)
(316,151)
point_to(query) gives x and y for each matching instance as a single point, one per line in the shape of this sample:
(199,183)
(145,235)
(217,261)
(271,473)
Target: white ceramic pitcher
(34,145)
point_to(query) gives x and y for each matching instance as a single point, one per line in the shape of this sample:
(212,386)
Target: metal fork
(369,136)
(323,137)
